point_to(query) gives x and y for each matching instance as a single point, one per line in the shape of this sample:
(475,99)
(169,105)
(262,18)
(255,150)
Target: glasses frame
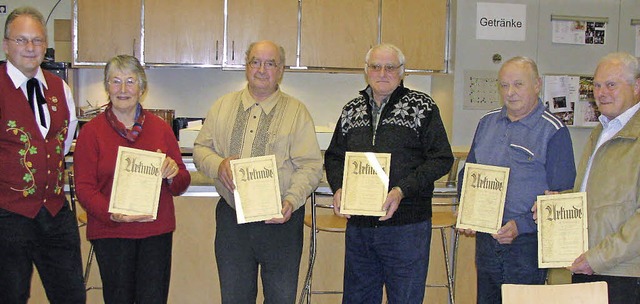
(22,41)
(128,83)
(268,65)
(387,68)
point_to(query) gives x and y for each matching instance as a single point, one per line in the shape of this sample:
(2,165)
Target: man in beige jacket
(610,174)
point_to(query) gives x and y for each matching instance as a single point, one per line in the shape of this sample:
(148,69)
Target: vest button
(48,155)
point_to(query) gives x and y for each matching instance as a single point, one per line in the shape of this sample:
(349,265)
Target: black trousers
(50,243)
(622,290)
(242,249)
(135,270)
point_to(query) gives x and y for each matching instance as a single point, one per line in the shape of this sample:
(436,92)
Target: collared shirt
(610,127)
(280,125)
(257,112)
(20,81)
(375,110)
(538,151)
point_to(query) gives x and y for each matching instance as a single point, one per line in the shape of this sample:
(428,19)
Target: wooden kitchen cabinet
(185,32)
(105,29)
(338,33)
(418,28)
(253,20)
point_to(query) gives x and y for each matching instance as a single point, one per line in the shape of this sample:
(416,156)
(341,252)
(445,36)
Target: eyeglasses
(268,65)
(22,41)
(388,68)
(117,83)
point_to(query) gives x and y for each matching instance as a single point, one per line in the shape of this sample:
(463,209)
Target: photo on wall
(570,98)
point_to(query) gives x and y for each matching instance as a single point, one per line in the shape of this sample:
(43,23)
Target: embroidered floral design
(361,111)
(60,136)
(417,115)
(28,176)
(401,108)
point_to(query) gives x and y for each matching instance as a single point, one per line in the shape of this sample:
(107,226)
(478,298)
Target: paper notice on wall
(578,32)
(501,21)
(638,40)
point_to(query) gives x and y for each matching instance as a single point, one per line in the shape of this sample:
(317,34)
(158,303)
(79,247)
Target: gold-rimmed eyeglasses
(268,65)
(387,68)
(22,41)
(117,82)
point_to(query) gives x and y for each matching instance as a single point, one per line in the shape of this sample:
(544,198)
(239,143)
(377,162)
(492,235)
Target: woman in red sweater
(133,251)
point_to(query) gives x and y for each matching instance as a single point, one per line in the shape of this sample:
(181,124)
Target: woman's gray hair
(385,47)
(24,11)
(125,63)
(629,63)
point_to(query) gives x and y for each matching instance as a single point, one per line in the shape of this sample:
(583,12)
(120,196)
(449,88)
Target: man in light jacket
(610,174)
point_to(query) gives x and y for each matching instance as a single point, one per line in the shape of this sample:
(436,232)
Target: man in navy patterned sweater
(391,250)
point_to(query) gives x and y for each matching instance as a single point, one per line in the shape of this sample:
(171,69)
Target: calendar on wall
(481,90)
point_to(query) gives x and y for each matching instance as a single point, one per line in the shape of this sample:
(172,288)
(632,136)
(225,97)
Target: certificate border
(462,222)
(582,197)
(114,198)
(344,204)
(276,198)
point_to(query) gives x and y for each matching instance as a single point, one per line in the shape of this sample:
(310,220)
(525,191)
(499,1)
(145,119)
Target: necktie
(33,87)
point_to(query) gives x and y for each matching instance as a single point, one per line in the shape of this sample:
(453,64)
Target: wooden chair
(317,223)
(579,293)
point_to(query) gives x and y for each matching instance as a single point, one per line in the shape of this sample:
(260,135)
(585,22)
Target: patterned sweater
(410,128)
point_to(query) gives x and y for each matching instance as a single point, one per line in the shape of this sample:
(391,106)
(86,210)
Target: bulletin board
(570,98)
(481,90)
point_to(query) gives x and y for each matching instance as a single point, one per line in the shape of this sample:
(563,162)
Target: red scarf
(130,135)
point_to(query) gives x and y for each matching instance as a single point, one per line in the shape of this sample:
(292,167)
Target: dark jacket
(410,128)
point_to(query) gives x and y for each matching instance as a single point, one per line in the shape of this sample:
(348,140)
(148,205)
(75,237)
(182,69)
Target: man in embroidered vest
(256,121)
(392,250)
(37,122)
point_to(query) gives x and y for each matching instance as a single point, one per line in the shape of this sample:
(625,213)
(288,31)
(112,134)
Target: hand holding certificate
(562,229)
(484,190)
(137,182)
(257,192)
(365,183)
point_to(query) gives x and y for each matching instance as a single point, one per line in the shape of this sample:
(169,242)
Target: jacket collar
(531,120)
(397,93)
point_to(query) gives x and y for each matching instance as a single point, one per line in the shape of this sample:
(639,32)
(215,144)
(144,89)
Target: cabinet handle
(133,47)
(233,50)
(216,50)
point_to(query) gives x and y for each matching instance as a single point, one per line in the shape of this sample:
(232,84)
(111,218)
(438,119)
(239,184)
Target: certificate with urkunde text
(137,181)
(484,190)
(257,192)
(365,183)
(562,229)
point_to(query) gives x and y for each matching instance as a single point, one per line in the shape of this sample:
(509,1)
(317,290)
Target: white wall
(191,91)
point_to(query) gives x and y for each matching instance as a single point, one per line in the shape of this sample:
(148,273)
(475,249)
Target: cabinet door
(418,28)
(338,33)
(186,33)
(105,29)
(254,20)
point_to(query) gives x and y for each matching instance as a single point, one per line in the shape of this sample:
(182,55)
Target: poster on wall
(578,32)
(481,90)
(501,21)
(570,98)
